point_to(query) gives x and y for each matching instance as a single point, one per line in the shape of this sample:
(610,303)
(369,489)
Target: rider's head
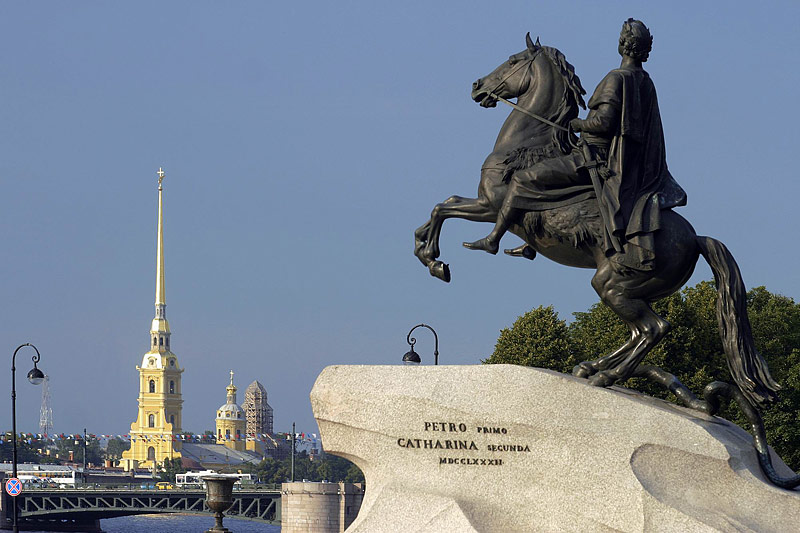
(635,40)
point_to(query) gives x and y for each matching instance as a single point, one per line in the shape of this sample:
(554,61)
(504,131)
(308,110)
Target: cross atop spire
(231,389)
(160,175)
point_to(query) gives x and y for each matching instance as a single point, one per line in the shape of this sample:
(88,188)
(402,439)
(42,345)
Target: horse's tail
(747,366)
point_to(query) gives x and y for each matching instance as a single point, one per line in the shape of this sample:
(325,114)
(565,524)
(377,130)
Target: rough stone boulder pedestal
(501,448)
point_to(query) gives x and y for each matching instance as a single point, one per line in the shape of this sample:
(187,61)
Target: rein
(529,113)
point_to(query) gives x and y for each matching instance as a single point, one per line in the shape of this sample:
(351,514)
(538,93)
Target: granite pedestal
(501,448)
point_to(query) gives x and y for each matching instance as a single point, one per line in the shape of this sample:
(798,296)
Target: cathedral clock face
(172,362)
(152,361)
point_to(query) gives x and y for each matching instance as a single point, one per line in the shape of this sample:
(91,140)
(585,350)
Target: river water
(180,523)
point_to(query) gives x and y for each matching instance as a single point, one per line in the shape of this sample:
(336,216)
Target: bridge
(82,509)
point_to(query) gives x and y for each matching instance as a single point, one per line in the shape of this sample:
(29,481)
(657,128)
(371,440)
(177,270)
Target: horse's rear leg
(647,328)
(589,368)
(650,329)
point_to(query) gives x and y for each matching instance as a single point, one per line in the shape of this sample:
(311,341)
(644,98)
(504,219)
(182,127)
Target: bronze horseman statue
(604,202)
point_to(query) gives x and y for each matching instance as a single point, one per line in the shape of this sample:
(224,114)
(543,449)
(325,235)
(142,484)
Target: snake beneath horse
(545,85)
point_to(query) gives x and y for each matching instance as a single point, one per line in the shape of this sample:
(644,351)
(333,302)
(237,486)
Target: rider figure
(623,129)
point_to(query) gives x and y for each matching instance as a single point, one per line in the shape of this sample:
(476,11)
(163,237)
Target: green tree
(537,338)
(170,467)
(27,449)
(329,468)
(115,447)
(692,351)
(94,454)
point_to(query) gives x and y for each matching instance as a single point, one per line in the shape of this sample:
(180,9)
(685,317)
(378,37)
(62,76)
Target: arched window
(161,341)
(151,454)
(151,421)
(152,385)
(155,341)
(172,387)
(172,420)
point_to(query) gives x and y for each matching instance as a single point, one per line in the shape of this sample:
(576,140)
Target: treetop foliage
(692,351)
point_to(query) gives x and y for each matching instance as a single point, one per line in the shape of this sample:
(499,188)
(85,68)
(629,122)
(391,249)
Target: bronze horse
(545,84)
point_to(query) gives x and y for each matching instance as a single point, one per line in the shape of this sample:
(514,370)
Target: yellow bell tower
(159,420)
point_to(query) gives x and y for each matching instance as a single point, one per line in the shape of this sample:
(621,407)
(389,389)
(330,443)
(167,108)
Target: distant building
(231,422)
(258,414)
(229,451)
(153,434)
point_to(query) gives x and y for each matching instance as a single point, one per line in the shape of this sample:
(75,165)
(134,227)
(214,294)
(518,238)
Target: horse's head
(511,79)
(543,80)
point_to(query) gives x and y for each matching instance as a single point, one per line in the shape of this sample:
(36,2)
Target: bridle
(516,106)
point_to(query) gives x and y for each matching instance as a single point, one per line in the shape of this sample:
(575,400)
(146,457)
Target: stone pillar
(310,507)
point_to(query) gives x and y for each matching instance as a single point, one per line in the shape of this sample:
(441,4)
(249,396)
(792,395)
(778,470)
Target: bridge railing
(137,487)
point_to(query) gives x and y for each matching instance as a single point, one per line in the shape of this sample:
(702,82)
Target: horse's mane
(568,71)
(573,96)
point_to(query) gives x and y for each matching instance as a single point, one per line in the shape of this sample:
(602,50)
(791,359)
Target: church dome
(230,410)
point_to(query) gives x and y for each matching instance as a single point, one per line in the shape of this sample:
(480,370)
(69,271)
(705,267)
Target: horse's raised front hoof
(583,370)
(602,379)
(440,270)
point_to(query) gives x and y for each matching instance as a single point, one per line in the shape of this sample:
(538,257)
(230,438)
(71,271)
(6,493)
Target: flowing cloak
(640,185)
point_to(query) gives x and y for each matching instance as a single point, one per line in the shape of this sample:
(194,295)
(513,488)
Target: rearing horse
(546,85)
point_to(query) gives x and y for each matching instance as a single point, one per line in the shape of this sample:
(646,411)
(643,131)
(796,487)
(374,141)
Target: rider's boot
(486,244)
(491,243)
(525,250)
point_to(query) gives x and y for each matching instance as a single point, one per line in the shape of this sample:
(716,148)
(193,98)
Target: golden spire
(160,323)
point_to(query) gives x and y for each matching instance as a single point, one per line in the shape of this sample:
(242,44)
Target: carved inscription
(457,436)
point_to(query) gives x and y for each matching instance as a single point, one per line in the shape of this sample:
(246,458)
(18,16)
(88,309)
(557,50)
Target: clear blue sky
(303,143)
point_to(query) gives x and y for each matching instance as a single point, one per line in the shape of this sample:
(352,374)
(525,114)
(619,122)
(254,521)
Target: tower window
(155,341)
(151,421)
(172,387)
(152,386)
(167,342)
(172,420)
(161,341)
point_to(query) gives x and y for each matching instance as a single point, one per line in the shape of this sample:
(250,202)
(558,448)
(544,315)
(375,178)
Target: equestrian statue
(604,201)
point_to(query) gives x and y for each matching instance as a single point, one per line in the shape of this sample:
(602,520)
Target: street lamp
(411,357)
(35,376)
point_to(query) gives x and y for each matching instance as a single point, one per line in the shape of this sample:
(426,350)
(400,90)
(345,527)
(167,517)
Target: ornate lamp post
(411,357)
(35,376)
